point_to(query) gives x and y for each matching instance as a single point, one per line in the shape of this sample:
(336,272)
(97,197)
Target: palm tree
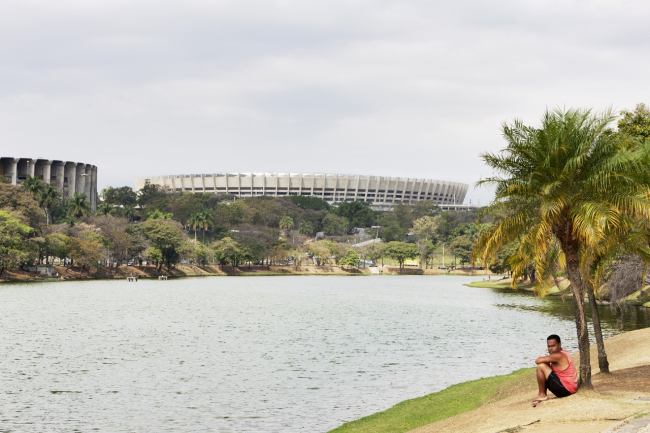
(78,205)
(105,209)
(286,223)
(566,182)
(305,228)
(194,221)
(47,197)
(32,185)
(69,221)
(205,221)
(129,212)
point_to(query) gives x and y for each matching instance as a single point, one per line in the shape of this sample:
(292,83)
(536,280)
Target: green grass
(434,407)
(505,284)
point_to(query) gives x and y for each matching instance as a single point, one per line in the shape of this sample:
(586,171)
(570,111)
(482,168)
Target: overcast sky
(395,88)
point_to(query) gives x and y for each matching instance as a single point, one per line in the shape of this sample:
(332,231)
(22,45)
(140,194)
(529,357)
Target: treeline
(166,229)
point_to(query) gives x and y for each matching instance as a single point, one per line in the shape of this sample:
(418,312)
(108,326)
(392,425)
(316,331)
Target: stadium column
(47,171)
(356,188)
(88,183)
(93,190)
(394,189)
(13,170)
(365,196)
(59,173)
(80,185)
(420,190)
(71,171)
(427,190)
(31,167)
(404,189)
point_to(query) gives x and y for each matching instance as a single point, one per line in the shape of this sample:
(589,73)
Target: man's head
(554,343)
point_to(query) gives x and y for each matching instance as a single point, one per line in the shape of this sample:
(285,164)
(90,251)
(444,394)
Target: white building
(334,188)
(66,176)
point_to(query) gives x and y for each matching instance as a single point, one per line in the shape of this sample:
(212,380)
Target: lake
(257,354)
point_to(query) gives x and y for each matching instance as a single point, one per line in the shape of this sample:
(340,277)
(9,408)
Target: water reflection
(613,320)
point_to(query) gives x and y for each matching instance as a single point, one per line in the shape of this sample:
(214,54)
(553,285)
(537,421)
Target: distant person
(555,372)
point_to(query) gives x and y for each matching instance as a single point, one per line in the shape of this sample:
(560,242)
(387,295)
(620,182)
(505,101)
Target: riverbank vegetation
(571,196)
(166,230)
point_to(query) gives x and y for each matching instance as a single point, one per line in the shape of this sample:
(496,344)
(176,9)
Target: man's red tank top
(568,376)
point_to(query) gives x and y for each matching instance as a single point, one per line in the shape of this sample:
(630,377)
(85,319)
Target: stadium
(66,176)
(380,191)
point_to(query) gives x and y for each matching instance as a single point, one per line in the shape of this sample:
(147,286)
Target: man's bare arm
(553,357)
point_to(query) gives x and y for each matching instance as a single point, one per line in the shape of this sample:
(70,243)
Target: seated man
(555,372)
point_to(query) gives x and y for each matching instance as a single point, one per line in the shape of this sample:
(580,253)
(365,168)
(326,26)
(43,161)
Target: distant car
(442,267)
(184,262)
(289,263)
(130,263)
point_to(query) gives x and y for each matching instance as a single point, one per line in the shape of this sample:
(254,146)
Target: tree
(309,202)
(228,252)
(425,228)
(56,244)
(358,213)
(123,197)
(21,204)
(129,212)
(13,236)
(32,186)
(78,205)
(167,237)
(286,224)
(351,258)
(151,194)
(154,255)
(401,252)
(158,215)
(334,225)
(635,123)
(105,208)
(374,251)
(446,223)
(392,232)
(305,228)
(320,251)
(461,247)
(565,182)
(47,198)
(86,252)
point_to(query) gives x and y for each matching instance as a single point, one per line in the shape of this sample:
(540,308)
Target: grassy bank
(639,298)
(434,407)
(505,284)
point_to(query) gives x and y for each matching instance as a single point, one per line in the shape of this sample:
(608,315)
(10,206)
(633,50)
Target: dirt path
(615,397)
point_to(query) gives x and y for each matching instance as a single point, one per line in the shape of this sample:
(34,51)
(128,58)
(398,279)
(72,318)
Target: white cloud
(403,88)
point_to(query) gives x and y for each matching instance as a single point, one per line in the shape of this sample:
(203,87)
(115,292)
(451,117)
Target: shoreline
(637,299)
(74,273)
(502,403)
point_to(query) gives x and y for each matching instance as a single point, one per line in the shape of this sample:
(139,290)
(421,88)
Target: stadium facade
(66,176)
(380,191)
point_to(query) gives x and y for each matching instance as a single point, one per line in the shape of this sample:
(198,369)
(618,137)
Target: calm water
(255,354)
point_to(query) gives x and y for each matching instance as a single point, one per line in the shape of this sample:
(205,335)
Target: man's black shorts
(554,385)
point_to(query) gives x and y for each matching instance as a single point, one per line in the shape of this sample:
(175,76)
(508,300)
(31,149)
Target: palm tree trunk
(571,248)
(603,363)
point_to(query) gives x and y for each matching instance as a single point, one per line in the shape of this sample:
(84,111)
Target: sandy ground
(614,398)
